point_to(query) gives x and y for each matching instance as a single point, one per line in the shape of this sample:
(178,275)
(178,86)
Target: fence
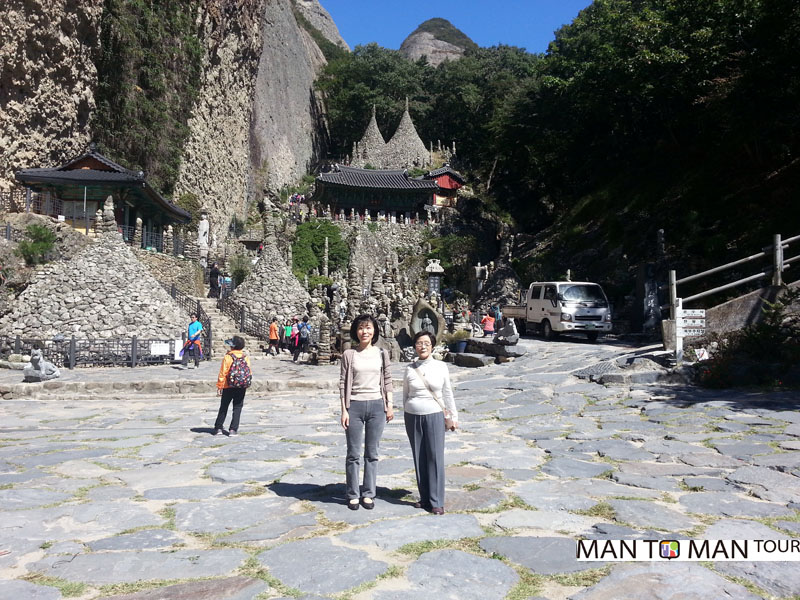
(246,321)
(774,252)
(70,352)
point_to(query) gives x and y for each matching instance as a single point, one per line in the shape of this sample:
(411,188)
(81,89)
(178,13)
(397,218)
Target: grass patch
(68,589)
(253,491)
(253,568)
(416,549)
(471,487)
(602,510)
(745,583)
(605,474)
(392,572)
(582,578)
(46,545)
(528,585)
(666,497)
(115,589)
(168,514)
(295,441)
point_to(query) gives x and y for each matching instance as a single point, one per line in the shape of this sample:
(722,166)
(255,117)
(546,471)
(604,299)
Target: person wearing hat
(228,389)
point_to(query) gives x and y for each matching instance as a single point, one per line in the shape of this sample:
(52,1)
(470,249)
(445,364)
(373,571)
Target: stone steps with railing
(223,328)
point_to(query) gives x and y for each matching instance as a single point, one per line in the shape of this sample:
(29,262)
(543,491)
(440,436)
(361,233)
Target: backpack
(303,330)
(239,375)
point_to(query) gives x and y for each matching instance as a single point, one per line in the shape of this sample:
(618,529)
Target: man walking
(303,338)
(192,346)
(274,337)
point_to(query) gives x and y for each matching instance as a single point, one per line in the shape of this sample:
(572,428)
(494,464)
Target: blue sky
(526,23)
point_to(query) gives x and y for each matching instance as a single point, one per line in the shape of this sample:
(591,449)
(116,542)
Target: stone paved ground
(113,488)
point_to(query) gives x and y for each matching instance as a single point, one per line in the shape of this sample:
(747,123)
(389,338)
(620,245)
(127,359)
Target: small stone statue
(427,324)
(39,369)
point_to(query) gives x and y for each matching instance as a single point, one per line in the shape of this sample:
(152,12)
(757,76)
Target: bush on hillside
(38,246)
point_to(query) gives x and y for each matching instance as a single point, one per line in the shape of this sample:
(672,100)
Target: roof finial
(406,103)
(373,111)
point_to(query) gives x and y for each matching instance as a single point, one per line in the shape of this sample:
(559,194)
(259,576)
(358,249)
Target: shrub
(765,353)
(37,248)
(240,267)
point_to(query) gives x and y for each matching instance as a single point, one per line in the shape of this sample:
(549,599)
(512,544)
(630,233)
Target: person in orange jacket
(234,378)
(487,322)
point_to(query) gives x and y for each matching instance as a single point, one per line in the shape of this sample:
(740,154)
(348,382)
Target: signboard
(696,313)
(691,322)
(684,332)
(159,348)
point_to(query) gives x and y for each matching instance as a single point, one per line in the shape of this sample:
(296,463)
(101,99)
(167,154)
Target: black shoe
(368,503)
(233,432)
(352,505)
(437,510)
(422,505)
(216,432)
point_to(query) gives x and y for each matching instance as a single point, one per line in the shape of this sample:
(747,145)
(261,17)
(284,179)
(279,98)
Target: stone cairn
(324,347)
(137,233)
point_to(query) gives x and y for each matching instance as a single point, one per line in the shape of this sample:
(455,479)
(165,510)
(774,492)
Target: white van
(557,306)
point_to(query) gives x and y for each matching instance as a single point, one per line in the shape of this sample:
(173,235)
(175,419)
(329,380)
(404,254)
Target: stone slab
(657,581)
(551,520)
(781,579)
(21,498)
(741,529)
(455,574)
(316,566)
(15,589)
(391,534)
(542,555)
(125,567)
(147,539)
(649,514)
(220,516)
(480,499)
(274,529)
(194,492)
(230,588)
(568,467)
(730,505)
(246,470)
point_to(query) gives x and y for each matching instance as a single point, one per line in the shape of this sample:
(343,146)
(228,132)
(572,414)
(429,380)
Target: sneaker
(217,432)
(233,432)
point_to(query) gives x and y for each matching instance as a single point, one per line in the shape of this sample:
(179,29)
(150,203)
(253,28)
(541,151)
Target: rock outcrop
(321,20)
(438,40)
(47,81)
(425,44)
(103,292)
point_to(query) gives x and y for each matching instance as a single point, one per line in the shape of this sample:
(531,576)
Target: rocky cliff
(47,81)
(255,122)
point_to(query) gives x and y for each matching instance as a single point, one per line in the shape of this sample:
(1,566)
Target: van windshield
(583,293)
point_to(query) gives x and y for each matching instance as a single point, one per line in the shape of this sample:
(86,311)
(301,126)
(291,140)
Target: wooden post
(777,260)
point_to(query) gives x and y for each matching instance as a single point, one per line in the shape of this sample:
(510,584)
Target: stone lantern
(435,273)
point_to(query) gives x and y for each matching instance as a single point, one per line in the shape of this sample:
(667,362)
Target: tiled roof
(447,170)
(368,178)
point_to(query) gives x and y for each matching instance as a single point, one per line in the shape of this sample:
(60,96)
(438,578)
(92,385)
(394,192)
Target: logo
(669,549)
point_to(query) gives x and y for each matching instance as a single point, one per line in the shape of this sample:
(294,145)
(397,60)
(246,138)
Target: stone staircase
(223,328)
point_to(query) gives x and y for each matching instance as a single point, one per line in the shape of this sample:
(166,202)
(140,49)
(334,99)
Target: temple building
(449,182)
(76,190)
(404,151)
(347,189)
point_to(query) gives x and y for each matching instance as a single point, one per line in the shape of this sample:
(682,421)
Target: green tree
(36,249)
(308,248)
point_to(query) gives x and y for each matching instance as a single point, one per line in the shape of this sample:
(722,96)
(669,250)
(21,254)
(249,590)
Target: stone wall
(186,274)
(103,292)
(47,78)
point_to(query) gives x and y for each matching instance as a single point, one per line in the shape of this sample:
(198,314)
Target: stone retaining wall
(187,275)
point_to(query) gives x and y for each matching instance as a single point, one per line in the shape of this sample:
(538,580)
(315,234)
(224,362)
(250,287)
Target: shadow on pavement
(333,493)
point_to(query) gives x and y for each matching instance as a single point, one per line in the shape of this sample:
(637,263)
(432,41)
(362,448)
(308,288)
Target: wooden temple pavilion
(347,188)
(77,189)
(449,182)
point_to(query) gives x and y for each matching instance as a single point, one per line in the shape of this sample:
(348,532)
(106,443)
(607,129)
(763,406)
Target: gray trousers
(369,417)
(426,434)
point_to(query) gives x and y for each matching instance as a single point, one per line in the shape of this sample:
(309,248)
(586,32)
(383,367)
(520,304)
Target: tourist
(428,409)
(213,281)
(303,338)
(273,336)
(498,317)
(193,346)
(233,380)
(365,391)
(293,336)
(286,338)
(487,322)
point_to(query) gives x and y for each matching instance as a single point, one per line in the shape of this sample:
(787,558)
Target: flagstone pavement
(112,486)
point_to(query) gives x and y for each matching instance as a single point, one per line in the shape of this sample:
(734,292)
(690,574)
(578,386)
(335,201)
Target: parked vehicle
(552,307)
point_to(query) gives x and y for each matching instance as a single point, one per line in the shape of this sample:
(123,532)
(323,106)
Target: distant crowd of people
(293,337)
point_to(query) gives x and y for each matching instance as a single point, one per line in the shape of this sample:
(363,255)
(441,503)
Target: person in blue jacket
(193,347)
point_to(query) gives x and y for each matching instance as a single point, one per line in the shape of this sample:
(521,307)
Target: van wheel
(592,335)
(547,330)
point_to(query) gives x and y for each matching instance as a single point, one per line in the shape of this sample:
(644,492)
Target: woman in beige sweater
(365,391)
